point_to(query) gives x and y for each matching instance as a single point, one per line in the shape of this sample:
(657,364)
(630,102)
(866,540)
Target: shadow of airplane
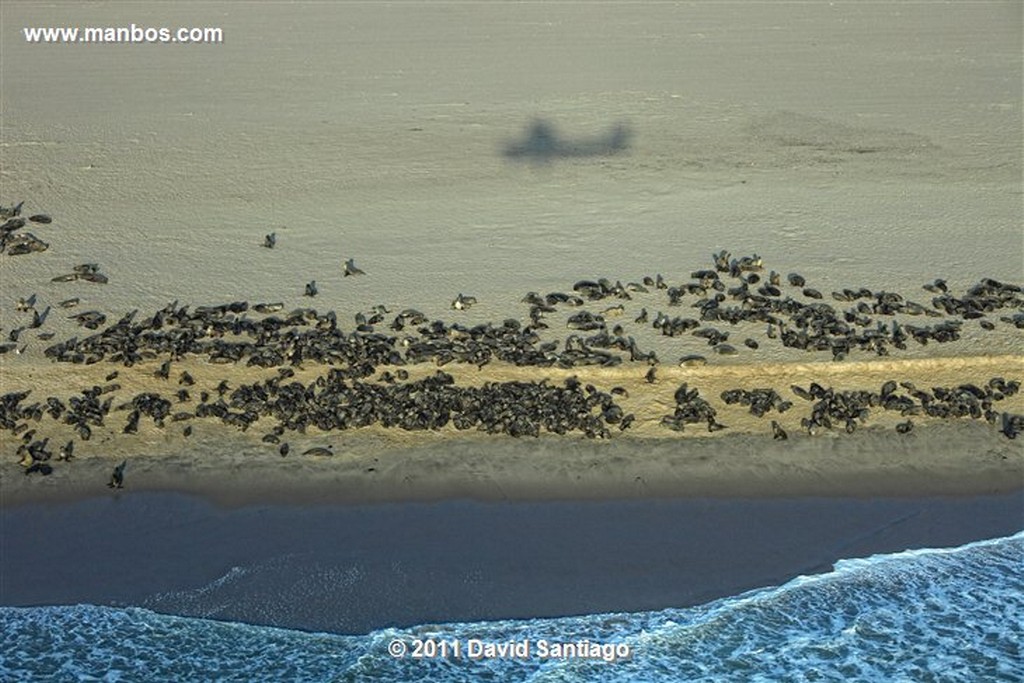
(543,144)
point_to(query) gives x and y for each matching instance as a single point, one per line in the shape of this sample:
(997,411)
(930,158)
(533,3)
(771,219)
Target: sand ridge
(374,463)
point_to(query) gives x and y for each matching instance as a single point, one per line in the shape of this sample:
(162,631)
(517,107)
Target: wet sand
(351,569)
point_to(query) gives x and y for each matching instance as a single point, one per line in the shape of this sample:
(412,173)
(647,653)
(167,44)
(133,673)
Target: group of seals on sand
(228,333)
(733,291)
(847,409)
(311,288)
(332,402)
(12,240)
(691,409)
(89,272)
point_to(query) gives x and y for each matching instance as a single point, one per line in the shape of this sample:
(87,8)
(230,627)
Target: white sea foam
(953,614)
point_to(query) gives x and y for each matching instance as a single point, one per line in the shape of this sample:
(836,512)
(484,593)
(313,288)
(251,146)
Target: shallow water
(931,614)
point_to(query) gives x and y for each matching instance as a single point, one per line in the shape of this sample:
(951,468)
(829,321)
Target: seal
(24,305)
(67,451)
(350,268)
(11,211)
(462,302)
(725,349)
(117,476)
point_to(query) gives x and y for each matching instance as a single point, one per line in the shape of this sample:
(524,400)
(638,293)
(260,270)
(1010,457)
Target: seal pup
(67,451)
(1012,425)
(778,433)
(350,268)
(311,289)
(461,302)
(165,370)
(11,211)
(117,476)
(25,305)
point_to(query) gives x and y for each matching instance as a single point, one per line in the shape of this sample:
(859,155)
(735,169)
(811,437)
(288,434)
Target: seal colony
(385,370)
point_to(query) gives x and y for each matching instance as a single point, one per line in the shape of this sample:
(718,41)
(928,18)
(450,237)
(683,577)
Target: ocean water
(922,615)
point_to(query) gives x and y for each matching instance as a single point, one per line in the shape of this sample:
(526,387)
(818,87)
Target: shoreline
(955,460)
(357,568)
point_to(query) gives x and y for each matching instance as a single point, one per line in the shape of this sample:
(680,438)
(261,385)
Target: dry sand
(816,134)
(378,464)
(859,144)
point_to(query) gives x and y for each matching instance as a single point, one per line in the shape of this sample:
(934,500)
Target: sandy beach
(574,172)
(380,464)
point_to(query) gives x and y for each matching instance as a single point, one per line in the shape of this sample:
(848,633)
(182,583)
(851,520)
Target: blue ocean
(953,614)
